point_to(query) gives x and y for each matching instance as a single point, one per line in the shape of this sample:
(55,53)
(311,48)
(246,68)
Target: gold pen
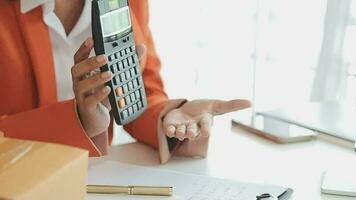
(130,190)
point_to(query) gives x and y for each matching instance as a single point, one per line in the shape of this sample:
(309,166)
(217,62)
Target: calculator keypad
(127,82)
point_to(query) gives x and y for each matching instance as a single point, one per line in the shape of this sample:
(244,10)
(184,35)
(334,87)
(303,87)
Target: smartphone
(273,129)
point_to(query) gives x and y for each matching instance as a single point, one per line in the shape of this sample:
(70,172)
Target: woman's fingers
(87,66)
(205,124)
(83,51)
(188,130)
(170,131)
(192,131)
(91,101)
(181,132)
(106,103)
(91,83)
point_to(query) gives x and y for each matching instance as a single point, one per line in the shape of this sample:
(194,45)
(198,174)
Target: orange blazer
(29,108)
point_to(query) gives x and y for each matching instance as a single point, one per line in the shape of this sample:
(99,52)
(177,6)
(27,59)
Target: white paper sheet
(185,186)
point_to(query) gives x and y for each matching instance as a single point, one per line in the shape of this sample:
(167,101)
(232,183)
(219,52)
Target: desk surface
(238,155)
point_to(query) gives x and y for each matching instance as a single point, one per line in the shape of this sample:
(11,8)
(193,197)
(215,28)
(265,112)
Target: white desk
(235,154)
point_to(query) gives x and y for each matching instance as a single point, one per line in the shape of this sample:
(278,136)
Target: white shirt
(63,46)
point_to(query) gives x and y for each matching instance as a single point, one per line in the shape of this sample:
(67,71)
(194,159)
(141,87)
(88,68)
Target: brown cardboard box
(35,171)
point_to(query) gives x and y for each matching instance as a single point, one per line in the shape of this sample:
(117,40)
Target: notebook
(185,186)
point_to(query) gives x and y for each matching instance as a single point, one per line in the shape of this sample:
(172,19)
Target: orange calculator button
(122,103)
(118,92)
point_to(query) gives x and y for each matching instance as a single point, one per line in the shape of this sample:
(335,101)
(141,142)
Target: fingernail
(106,75)
(87,42)
(100,59)
(105,90)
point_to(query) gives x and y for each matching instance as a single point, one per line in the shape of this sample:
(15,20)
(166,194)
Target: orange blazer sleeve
(57,123)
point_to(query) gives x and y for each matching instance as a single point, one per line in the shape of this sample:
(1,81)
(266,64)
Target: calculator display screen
(115,21)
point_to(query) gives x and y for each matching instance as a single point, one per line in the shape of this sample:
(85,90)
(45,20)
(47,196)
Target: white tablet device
(274,129)
(339,182)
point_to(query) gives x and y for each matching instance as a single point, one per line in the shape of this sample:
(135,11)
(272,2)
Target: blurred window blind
(207,48)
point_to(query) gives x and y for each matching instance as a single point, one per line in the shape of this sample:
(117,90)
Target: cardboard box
(41,171)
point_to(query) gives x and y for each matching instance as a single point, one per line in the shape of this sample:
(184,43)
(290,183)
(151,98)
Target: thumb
(141,50)
(221,107)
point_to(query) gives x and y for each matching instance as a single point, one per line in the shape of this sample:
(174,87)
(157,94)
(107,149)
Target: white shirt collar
(52,21)
(27,5)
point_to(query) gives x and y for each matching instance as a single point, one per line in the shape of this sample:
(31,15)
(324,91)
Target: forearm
(57,123)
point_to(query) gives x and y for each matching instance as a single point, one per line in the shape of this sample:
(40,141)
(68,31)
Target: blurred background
(302,50)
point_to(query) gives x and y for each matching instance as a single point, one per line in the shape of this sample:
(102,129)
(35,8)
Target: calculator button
(129,60)
(130,85)
(127,99)
(122,103)
(132,71)
(133,59)
(127,75)
(135,108)
(113,68)
(130,110)
(126,52)
(122,77)
(133,98)
(116,66)
(135,85)
(137,81)
(118,91)
(137,92)
(140,105)
(136,71)
(124,114)
(115,44)
(117,79)
(133,48)
(117,55)
(125,63)
(111,57)
(125,89)
(120,66)
(142,92)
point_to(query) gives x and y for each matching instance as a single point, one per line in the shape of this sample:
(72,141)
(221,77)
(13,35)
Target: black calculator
(113,36)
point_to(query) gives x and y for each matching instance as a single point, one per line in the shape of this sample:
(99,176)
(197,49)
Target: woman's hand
(90,90)
(195,118)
